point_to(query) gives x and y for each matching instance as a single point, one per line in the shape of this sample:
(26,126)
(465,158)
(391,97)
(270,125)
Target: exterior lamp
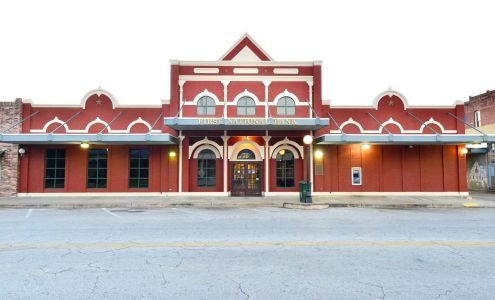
(318,154)
(22,151)
(172,154)
(366,146)
(84,145)
(464,151)
(281,152)
(308,140)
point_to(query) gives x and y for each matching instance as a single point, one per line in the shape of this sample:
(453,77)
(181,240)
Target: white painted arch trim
(257,149)
(299,149)
(205,144)
(99,91)
(202,94)
(286,93)
(286,148)
(56,120)
(218,154)
(245,93)
(390,93)
(392,121)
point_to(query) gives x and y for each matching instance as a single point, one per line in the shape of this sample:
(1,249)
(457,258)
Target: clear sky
(433,52)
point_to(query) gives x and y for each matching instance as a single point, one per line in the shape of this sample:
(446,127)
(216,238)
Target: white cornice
(243,78)
(200,63)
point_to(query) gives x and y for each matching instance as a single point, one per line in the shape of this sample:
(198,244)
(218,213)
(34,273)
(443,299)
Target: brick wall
(10,113)
(485,103)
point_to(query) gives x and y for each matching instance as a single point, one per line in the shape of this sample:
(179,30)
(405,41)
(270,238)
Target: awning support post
(469,125)
(68,120)
(335,122)
(379,123)
(20,122)
(417,119)
(110,123)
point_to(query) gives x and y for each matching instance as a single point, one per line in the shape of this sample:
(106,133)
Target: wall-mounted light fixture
(366,146)
(172,154)
(84,145)
(281,152)
(464,151)
(22,151)
(318,154)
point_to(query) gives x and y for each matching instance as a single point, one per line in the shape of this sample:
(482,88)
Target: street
(247,253)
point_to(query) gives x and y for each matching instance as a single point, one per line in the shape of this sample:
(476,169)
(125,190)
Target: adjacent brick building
(480,112)
(10,114)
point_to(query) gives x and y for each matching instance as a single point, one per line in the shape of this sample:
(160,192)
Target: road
(250,253)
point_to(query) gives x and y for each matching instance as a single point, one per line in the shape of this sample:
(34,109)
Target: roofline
(246,35)
(245,63)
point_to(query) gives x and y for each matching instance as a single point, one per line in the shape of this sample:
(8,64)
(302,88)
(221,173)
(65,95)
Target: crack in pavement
(181,259)
(377,286)
(239,286)
(95,285)
(164,281)
(447,292)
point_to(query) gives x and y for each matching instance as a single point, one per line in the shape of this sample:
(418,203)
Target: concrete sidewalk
(482,200)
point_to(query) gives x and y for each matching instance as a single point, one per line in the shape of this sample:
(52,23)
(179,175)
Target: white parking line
(110,213)
(28,214)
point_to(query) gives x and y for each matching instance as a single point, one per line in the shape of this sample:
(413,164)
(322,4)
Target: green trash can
(303,191)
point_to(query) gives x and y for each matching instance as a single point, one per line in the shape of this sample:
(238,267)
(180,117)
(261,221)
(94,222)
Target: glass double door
(246,178)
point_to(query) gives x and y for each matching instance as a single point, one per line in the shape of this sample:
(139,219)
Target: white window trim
(477,118)
(245,93)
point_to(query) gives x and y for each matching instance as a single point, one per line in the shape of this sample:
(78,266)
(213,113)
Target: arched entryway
(247,172)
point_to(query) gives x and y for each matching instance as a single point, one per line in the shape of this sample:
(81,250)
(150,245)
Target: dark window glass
(97,168)
(286,106)
(285,169)
(207,169)
(246,106)
(138,168)
(55,168)
(206,106)
(246,154)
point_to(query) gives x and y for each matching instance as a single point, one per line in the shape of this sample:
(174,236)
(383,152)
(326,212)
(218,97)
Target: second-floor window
(206,106)
(286,106)
(477,118)
(246,106)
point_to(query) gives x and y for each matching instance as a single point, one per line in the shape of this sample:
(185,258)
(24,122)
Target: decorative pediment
(246,49)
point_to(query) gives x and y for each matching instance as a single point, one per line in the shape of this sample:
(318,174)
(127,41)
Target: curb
(288,205)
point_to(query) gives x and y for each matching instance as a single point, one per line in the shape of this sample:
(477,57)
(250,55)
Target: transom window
(139,168)
(207,169)
(286,106)
(246,154)
(97,168)
(285,169)
(55,168)
(246,106)
(206,106)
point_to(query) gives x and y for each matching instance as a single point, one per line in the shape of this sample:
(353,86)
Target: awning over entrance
(29,138)
(246,123)
(404,138)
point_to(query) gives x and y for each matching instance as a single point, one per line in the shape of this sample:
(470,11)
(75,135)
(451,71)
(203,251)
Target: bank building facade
(236,126)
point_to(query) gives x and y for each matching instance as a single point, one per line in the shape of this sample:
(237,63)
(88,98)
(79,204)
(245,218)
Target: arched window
(285,169)
(286,106)
(206,106)
(207,169)
(246,106)
(246,154)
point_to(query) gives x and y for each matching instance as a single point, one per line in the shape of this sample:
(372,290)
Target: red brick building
(480,113)
(235,126)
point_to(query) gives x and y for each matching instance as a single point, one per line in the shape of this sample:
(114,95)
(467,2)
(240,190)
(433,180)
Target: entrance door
(246,179)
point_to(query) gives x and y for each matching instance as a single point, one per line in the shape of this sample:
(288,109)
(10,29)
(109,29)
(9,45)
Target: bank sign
(246,123)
